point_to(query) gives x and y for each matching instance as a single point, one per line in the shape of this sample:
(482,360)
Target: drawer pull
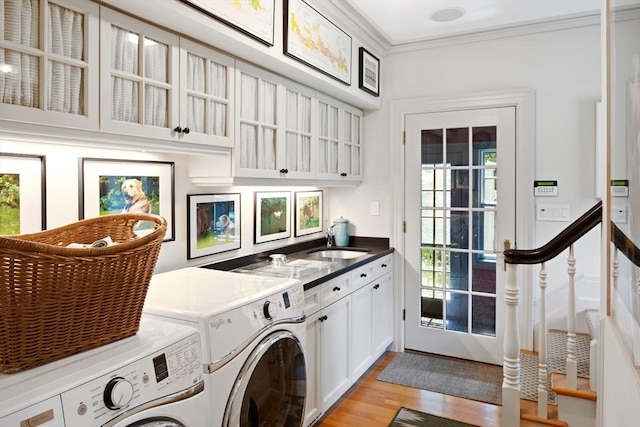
(384,266)
(363,275)
(336,289)
(323,318)
(376,286)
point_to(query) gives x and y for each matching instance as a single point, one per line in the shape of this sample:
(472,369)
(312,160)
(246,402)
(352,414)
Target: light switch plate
(375,208)
(553,212)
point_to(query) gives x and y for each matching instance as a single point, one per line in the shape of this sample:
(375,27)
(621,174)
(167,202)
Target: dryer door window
(157,422)
(270,389)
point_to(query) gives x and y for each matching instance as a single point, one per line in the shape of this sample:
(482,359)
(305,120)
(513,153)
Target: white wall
(563,67)
(62,189)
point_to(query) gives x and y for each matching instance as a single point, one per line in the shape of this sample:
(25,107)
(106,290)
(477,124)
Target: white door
(459,208)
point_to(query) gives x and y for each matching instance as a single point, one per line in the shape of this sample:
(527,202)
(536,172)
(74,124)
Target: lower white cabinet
(349,325)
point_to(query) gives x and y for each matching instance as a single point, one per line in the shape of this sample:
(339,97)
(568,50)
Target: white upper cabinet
(155,84)
(339,150)
(49,62)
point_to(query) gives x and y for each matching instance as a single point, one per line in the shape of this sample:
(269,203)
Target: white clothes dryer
(153,378)
(253,336)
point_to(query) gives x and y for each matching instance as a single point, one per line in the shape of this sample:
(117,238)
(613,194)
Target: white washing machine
(151,379)
(253,337)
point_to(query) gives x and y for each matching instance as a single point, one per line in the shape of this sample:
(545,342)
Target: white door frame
(524,102)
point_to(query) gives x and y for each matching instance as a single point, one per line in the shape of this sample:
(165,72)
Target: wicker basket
(56,301)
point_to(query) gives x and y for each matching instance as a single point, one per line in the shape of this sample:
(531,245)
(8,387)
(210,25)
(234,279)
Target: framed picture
(213,224)
(308,216)
(272,216)
(312,39)
(22,194)
(369,73)
(118,186)
(253,18)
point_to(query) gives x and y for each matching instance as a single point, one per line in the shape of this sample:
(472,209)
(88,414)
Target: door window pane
(483,313)
(457,312)
(432,147)
(458,146)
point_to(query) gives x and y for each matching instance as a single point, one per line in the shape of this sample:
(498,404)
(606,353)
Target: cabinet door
(299,148)
(258,122)
(328,125)
(312,357)
(206,94)
(335,343)
(350,163)
(49,56)
(382,316)
(361,316)
(138,77)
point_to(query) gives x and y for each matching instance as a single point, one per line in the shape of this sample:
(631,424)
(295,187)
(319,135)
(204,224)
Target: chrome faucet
(330,237)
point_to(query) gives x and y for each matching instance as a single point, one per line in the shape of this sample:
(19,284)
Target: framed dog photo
(22,194)
(110,186)
(272,216)
(308,212)
(213,224)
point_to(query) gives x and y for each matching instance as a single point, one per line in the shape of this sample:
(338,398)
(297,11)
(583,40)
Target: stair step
(559,386)
(529,412)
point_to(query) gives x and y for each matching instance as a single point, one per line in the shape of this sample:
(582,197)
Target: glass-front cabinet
(49,62)
(155,84)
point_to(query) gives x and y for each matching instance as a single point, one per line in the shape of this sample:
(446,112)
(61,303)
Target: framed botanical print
(272,216)
(213,224)
(22,194)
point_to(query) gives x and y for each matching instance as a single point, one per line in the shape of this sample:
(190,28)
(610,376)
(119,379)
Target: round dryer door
(270,389)
(157,422)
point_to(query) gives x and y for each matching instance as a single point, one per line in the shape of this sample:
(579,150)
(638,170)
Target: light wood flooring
(372,403)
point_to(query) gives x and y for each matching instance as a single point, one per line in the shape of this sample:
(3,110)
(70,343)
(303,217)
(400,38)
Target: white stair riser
(576,412)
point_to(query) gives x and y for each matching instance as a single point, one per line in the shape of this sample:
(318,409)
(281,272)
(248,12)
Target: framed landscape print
(312,39)
(213,224)
(22,194)
(127,186)
(272,216)
(254,18)
(308,216)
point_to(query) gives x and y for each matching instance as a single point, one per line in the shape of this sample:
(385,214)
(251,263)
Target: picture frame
(109,186)
(22,184)
(272,216)
(369,72)
(304,28)
(308,212)
(243,16)
(213,225)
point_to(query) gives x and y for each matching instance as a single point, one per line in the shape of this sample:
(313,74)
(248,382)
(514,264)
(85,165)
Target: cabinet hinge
(404,137)
(404,226)
(403,314)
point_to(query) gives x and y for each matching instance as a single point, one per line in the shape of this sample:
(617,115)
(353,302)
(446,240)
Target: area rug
(411,418)
(556,362)
(445,375)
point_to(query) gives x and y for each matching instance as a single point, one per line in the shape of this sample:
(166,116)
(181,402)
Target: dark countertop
(303,264)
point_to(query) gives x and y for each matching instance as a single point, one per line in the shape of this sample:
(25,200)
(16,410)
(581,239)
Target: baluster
(543,392)
(572,362)
(511,346)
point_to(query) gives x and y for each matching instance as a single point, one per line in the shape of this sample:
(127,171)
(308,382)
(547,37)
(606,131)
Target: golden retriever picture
(135,199)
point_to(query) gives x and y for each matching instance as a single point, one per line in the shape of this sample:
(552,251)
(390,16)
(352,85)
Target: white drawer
(335,289)
(361,276)
(382,266)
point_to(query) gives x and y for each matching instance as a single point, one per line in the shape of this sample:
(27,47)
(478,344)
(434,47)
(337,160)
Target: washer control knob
(118,393)
(270,310)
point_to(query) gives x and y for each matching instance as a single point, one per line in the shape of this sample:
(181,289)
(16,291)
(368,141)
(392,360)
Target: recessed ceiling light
(446,15)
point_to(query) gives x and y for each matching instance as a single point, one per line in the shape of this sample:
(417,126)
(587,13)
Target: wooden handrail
(625,245)
(562,241)
(569,236)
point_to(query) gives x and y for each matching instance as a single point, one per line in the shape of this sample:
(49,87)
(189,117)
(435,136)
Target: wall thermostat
(545,188)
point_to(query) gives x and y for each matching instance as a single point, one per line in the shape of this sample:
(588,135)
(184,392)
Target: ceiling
(407,21)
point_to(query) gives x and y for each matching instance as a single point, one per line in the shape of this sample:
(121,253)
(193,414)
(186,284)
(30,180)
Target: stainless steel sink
(338,253)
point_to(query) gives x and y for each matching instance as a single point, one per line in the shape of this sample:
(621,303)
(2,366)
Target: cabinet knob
(323,318)
(343,174)
(186,130)
(177,129)
(376,286)
(336,289)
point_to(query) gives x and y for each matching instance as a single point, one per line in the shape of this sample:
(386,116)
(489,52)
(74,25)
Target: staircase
(575,407)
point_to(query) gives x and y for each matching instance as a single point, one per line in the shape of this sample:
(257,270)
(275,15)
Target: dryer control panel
(128,389)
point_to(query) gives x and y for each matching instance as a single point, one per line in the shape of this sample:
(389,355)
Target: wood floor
(372,403)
